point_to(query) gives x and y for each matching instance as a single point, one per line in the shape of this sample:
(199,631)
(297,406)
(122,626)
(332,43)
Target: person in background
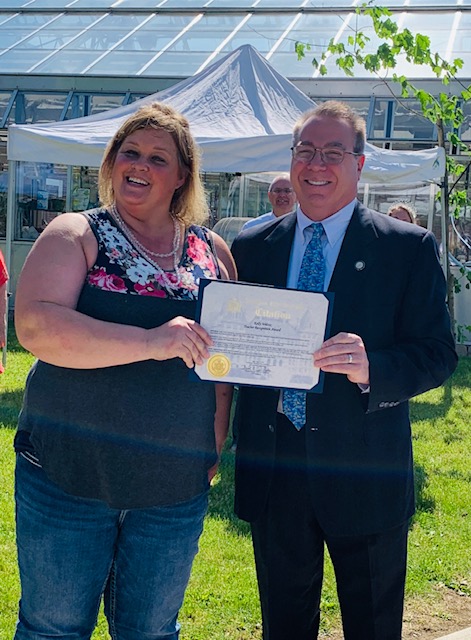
(336,468)
(404,211)
(282,199)
(115,445)
(3,306)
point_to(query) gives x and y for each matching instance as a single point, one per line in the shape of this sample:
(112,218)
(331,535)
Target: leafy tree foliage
(444,110)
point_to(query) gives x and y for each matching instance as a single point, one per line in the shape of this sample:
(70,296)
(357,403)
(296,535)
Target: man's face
(281,196)
(323,189)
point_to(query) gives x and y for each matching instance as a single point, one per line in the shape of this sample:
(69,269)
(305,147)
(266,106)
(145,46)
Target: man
(282,198)
(344,476)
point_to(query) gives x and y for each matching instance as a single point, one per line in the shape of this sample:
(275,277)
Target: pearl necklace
(147,253)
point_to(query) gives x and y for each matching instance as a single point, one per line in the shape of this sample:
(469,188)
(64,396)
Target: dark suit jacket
(390,290)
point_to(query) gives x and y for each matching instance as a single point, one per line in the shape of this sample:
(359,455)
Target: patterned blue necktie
(311,278)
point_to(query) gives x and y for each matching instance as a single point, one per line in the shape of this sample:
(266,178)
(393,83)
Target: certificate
(263,336)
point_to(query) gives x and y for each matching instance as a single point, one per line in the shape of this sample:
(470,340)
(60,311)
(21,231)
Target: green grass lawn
(221,602)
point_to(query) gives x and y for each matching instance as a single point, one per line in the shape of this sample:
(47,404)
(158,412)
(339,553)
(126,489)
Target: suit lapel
(277,246)
(352,274)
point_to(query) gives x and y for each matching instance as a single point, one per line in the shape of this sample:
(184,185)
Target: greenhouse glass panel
(37,107)
(92,4)
(26,22)
(293,4)
(4,102)
(242,4)
(155,34)
(462,42)
(432,3)
(200,41)
(360,106)
(50,4)
(40,197)
(466,126)
(4,17)
(15,30)
(20,61)
(78,107)
(261,31)
(100,103)
(84,188)
(99,39)
(16,4)
(177,64)
(379,127)
(437,26)
(285,61)
(410,124)
(121,63)
(47,40)
(347,26)
(317,30)
(76,21)
(145,4)
(184,4)
(67,61)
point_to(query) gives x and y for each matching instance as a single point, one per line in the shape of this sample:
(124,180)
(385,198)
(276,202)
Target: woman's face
(400,214)
(146,172)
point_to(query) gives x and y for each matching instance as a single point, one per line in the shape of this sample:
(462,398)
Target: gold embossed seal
(219,365)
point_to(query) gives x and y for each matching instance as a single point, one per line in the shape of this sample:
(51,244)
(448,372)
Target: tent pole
(68,189)
(431,210)
(242,190)
(444,228)
(11,196)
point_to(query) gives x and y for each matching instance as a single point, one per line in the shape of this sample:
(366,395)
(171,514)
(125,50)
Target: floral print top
(121,268)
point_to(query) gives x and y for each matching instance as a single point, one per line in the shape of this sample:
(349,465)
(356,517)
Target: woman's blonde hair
(407,206)
(189,201)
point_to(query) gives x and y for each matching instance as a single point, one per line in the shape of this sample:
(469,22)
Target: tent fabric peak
(241,112)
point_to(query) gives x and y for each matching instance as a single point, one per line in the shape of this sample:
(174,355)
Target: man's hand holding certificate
(262,335)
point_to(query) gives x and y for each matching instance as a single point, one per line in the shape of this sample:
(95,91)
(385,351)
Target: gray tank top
(135,435)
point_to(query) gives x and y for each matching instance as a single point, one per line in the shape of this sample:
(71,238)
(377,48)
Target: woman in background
(404,211)
(115,445)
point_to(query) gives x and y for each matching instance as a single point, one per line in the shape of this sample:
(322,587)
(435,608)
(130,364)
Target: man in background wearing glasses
(337,468)
(282,199)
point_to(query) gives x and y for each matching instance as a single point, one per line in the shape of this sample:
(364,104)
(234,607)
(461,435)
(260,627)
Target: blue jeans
(72,551)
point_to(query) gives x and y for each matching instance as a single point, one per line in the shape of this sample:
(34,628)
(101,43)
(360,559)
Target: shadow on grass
(10,403)
(421,409)
(424,502)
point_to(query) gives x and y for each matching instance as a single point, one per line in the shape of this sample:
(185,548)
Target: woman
(404,211)
(115,445)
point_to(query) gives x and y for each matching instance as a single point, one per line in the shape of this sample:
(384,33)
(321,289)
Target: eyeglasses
(305,153)
(278,191)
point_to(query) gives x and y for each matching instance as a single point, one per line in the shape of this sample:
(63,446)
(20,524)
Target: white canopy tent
(241,112)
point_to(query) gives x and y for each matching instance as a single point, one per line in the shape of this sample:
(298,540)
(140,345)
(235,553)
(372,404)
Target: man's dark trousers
(289,551)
